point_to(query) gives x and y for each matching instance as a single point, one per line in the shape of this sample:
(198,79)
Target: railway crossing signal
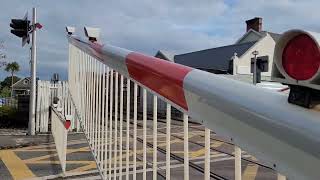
(22,29)
(297,64)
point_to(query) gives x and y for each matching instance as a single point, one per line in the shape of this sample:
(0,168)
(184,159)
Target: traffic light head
(20,27)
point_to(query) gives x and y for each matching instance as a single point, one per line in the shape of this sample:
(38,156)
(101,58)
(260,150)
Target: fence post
(128,129)
(144,133)
(207,155)
(135,107)
(237,158)
(155,136)
(168,143)
(186,146)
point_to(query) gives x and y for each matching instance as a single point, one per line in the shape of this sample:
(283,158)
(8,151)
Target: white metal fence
(42,106)
(49,93)
(104,82)
(103,99)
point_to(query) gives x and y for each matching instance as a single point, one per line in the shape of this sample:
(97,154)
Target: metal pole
(31,126)
(255,53)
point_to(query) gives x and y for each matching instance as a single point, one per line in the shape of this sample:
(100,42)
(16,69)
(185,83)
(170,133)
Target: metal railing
(49,93)
(42,106)
(104,81)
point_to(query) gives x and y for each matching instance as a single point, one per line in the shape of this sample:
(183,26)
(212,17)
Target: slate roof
(274,36)
(215,58)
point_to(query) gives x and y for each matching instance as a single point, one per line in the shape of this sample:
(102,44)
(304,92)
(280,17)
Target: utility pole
(255,53)
(32,105)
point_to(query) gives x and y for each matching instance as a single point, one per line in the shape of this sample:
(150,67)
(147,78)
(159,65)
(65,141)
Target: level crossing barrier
(104,81)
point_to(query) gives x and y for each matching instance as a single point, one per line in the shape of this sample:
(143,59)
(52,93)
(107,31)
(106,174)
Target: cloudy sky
(146,25)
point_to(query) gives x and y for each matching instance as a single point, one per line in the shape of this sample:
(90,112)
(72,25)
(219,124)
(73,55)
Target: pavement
(10,140)
(40,161)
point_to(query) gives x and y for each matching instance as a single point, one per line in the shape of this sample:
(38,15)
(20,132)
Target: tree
(12,67)
(6,83)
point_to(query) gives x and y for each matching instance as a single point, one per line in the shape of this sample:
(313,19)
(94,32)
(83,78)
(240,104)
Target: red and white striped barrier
(259,121)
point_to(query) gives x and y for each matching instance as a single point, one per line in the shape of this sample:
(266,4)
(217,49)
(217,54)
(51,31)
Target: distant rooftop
(23,83)
(163,54)
(214,58)
(275,36)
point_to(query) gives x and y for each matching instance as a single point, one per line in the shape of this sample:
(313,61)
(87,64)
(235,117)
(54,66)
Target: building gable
(265,46)
(250,36)
(22,84)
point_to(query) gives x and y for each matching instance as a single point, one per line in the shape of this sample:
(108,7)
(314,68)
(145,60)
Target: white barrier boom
(259,121)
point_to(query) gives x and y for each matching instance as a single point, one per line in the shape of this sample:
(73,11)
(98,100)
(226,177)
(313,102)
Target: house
(22,87)
(232,61)
(215,60)
(235,59)
(265,44)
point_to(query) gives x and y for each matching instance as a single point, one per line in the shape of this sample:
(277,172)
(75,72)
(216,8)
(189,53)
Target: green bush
(5,92)
(9,117)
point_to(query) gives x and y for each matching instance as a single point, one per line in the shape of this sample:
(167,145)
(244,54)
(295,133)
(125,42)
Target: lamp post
(255,53)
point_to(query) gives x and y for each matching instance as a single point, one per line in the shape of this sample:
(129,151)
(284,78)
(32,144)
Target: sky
(145,26)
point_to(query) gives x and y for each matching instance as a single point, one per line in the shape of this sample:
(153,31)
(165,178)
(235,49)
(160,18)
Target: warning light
(297,64)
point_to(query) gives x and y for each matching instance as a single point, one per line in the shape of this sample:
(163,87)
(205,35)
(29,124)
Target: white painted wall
(265,47)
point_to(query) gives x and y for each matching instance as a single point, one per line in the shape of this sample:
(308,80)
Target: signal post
(21,28)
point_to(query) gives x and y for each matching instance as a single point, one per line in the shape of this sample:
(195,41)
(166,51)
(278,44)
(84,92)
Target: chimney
(255,24)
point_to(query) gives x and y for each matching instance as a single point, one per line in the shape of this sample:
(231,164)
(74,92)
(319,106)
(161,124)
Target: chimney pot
(255,24)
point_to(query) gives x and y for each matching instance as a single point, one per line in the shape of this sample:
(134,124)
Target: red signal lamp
(301,57)
(297,64)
